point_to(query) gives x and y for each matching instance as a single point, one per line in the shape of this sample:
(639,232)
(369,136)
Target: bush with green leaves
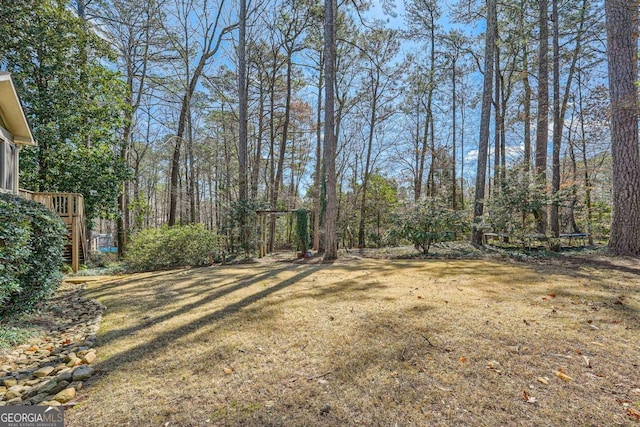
(32,240)
(431,221)
(512,207)
(180,246)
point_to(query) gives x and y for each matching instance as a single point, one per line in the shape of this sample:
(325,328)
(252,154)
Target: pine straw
(369,342)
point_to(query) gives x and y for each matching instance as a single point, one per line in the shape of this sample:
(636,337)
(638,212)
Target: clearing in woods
(370,342)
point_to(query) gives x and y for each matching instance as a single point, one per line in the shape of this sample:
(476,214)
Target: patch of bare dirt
(369,342)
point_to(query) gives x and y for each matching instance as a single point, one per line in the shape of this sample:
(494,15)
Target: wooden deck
(70,207)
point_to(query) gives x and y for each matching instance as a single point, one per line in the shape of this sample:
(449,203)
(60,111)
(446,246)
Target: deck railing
(64,204)
(70,207)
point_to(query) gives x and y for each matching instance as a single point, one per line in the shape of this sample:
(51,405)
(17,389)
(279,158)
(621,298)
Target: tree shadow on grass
(210,296)
(604,264)
(105,289)
(149,348)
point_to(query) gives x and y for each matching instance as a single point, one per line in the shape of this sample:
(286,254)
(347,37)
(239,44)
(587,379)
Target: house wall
(9,158)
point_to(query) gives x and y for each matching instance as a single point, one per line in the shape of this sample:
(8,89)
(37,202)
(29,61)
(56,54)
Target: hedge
(180,246)
(32,240)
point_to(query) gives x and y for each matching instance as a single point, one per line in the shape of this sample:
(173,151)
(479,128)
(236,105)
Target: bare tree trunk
(485,118)
(331,215)
(454,196)
(462,133)
(122,223)
(272,152)
(554,216)
(431,180)
(242,129)
(622,52)
(587,175)
(560,105)
(191,189)
(429,113)
(255,173)
(496,122)
(527,112)
(543,110)
(318,168)
(574,177)
(367,165)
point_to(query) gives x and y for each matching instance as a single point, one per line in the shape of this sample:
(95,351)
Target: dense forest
(372,115)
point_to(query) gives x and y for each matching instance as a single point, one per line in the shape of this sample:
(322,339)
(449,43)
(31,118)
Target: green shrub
(432,222)
(32,242)
(180,246)
(511,209)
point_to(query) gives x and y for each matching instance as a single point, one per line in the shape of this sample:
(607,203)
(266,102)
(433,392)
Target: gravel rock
(49,365)
(89,357)
(10,382)
(43,372)
(12,394)
(65,375)
(82,373)
(47,386)
(59,387)
(65,395)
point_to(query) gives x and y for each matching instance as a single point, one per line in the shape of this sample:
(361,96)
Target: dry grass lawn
(369,342)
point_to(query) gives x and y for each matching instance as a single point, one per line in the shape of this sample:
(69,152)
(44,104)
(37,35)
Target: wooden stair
(70,207)
(69,252)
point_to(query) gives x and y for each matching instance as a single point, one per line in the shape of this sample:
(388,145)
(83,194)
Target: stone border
(50,369)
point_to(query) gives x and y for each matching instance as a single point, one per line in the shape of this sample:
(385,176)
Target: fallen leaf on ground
(633,413)
(228,371)
(563,376)
(463,359)
(552,295)
(492,365)
(529,399)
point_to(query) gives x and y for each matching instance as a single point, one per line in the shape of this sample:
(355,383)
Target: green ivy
(302,229)
(32,242)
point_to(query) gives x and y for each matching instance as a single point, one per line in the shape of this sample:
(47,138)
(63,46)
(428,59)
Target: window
(8,172)
(3,165)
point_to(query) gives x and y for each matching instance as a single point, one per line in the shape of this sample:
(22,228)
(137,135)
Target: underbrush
(465,250)
(162,248)
(11,336)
